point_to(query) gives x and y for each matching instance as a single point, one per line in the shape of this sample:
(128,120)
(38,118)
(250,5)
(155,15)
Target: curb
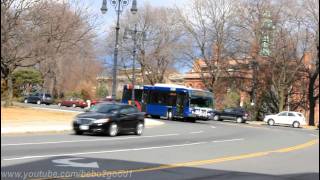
(261,123)
(149,123)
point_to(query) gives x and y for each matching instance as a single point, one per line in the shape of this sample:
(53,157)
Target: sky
(108,19)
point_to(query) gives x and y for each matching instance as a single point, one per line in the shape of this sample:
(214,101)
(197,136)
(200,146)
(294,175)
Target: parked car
(110,118)
(96,101)
(73,102)
(39,98)
(295,119)
(237,114)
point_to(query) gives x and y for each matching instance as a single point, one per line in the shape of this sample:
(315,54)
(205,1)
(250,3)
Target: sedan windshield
(104,108)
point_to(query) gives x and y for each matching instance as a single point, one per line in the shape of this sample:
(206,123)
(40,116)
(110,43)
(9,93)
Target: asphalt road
(176,150)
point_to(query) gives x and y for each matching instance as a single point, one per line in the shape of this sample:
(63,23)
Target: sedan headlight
(100,121)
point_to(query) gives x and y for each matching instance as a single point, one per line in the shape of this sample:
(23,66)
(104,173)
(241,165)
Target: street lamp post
(134,62)
(134,36)
(119,6)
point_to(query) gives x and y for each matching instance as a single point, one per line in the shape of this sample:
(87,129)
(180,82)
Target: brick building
(241,74)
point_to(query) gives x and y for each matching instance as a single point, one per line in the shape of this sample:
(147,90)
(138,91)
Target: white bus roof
(177,86)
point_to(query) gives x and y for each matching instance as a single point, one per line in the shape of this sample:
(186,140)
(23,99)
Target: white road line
(100,152)
(196,132)
(86,140)
(314,135)
(228,140)
(212,127)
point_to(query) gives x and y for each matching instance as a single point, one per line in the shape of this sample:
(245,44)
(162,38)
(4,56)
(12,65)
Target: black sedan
(110,118)
(238,114)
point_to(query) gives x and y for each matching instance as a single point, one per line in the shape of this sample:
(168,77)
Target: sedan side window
(283,114)
(291,114)
(132,110)
(124,110)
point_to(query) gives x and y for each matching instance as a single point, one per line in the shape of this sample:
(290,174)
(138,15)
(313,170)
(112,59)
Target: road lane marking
(87,140)
(228,140)
(196,132)
(212,127)
(100,152)
(201,162)
(213,161)
(69,162)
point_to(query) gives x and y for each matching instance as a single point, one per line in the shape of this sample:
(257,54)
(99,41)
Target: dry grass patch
(20,114)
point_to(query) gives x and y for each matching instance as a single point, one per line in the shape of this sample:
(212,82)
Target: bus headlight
(192,110)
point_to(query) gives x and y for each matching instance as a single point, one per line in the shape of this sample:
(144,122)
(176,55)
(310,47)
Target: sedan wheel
(169,115)
(271,122)
(139,129)
(26,101)
(78,132)
(113,130)
(296,124)
(239,120)
(39,102)
(216,117)
(73,105)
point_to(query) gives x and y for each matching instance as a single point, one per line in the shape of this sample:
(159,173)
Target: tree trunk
(281,100)
(312,102)
(9,90)
(312,105)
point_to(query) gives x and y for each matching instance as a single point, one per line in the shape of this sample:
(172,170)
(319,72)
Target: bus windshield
(201,99)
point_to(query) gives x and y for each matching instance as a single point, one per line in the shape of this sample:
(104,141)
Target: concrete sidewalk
(262,123)
(41,126)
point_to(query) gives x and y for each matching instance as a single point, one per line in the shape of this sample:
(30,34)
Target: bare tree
(66,45)
(310,18)
(15,50)
(207,23)
(55,37)
(281,70)
(158,53)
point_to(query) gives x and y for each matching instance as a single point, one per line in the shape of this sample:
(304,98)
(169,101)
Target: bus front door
(181,99)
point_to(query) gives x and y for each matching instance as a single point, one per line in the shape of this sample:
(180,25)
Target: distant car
(73,102)
(96,101)
(39,98)
(110,118)
(295,119)
(237,114)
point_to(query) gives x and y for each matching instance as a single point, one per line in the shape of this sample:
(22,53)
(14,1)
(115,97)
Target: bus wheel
(155,117)
(169,115)
(193,120)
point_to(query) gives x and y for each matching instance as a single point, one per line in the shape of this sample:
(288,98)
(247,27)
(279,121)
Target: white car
(295,119)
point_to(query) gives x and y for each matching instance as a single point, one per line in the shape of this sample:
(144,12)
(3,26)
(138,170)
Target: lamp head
(134,8)
(104,8)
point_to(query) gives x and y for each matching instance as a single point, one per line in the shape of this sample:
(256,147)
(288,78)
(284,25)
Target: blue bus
(177,102)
